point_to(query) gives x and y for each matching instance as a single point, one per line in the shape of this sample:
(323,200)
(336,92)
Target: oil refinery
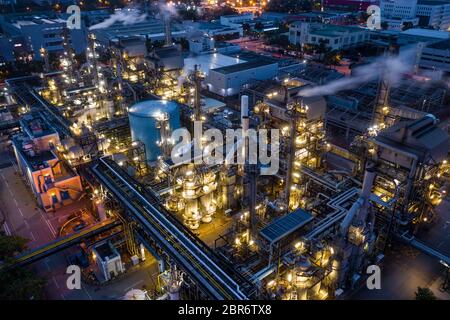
(226,173)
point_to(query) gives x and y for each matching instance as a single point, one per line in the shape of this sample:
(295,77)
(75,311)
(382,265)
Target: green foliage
(11,245)
(424,294)
(332,58)
(278,40)
(245,27)
(20,284)
(17,283)
(259,26)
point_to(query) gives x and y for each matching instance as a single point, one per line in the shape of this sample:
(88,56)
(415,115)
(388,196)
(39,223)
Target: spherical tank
(144,117)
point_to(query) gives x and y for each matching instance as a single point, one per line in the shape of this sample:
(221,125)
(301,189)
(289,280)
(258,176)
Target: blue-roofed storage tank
(143,123)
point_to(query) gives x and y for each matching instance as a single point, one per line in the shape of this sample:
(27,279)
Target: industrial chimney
(167,30)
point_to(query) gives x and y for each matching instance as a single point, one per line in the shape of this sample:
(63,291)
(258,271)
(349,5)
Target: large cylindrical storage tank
(143,123)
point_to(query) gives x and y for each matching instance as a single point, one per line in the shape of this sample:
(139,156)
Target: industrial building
(214,29)
(135,132)
(31,32)
(53,182)
(333,37)
(151,28)
(436,56)
(108,260)
(229,80)
(236,20)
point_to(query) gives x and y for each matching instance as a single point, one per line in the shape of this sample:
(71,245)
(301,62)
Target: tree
(11,245)
(259,26)
(280,40)
(17,283)
(246,28)
(424,294)
(332,58)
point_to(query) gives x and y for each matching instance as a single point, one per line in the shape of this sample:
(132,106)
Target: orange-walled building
(52,180)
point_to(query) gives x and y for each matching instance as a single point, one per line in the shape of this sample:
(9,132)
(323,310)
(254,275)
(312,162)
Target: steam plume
(125,16)
(391,68)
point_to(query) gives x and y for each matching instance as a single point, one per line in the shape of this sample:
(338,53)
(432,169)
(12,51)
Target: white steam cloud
(391,68)
(167,9)
(125,16)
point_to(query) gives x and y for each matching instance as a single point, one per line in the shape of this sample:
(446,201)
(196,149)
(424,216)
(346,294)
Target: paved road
(438,235)
(406,268)
(257,46)
(54,269)
(19,208)
(402,272)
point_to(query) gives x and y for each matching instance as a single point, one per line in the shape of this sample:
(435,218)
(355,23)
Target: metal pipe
(345,224)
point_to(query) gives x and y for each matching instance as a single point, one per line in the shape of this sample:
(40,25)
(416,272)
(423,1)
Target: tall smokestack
(245,125)
(167,30)
(251,170)
(198,86)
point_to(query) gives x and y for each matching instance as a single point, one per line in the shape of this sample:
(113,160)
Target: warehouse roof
(422,137)
(438,34)
(260,62)
(285,225)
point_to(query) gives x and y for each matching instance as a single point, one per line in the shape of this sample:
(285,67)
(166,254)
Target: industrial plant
(231,173)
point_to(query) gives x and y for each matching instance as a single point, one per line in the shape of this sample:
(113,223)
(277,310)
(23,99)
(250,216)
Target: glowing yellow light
(289,277)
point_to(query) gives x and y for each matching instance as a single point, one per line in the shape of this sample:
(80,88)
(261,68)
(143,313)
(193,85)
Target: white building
(436,56)
(334,37)
(434,14)
(108,260)
(229,80)
(403,9)
(426,13)
(202,44)
(398,12)
(212,29)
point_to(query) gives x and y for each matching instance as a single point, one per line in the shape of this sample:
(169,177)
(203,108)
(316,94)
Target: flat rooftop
(208,62)
(438,34)
(330,30)
(150,27)
(213,26)
(106,250)
(245,66)
(35,126)
(334,31)
(38,159)
(285,225)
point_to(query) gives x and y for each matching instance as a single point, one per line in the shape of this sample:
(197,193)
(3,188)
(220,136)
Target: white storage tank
(143,123)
